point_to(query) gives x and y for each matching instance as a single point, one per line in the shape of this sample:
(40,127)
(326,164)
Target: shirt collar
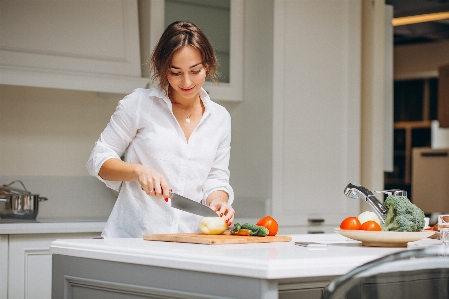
(157,91)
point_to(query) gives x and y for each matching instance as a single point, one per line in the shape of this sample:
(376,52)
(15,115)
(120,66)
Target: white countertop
(279,260)
(47,226)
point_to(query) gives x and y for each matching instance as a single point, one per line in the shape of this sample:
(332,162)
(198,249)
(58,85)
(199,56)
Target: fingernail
(221,214)
(166,199)
(171,190)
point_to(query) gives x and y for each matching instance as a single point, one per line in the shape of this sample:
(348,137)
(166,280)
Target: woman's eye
(196,72)
(175,74)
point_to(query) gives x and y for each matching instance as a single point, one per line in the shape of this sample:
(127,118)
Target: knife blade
(183,203)
(310,244)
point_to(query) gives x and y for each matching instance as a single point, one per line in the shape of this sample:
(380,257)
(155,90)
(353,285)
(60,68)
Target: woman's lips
(187,89)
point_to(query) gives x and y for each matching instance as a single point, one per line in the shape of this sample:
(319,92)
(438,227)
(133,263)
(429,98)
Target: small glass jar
(443,227)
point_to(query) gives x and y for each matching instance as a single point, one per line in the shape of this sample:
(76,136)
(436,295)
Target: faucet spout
(357,191)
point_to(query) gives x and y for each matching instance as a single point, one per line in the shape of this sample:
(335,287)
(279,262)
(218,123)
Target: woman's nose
(186,80)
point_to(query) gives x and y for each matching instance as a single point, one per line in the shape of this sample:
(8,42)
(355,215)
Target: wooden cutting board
(214,239)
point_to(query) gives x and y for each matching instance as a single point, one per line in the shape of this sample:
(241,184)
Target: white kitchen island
(135,268)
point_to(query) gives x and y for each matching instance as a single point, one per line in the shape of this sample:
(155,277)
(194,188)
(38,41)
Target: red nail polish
(166,199)
(221,214)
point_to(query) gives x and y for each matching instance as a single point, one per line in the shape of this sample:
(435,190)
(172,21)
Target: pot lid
(12,190)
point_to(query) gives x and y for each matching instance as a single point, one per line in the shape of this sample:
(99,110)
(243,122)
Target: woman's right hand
(152,182)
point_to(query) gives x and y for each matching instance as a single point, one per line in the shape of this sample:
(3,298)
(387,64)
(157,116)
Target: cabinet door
(3,266)
(29,273)
(82,45)
(316,110)
(303,294)
(312,289)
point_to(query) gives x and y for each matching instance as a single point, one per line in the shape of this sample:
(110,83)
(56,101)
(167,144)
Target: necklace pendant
(188,120)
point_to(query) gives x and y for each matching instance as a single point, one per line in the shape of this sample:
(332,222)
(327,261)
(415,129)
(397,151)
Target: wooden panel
(430,188)
(214,239)
(443,96)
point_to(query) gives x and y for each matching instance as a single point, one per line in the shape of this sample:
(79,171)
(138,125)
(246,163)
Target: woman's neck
(183,102)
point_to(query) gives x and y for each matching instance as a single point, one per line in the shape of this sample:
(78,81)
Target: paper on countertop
(424,243)
(439,136)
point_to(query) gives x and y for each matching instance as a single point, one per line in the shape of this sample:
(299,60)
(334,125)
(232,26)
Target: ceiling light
(420,18)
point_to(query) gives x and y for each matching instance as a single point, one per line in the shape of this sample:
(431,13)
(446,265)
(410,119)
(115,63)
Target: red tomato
(270,224)
(352,223)
(371,225)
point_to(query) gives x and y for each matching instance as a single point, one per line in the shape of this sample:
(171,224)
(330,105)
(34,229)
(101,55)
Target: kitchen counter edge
(52,227)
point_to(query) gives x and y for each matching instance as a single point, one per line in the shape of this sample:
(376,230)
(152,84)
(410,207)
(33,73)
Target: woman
(174,139)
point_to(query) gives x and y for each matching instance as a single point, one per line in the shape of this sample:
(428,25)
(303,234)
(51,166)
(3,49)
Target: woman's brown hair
(177,35)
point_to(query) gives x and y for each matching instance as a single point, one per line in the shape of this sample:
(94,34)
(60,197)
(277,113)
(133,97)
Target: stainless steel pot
(17,203)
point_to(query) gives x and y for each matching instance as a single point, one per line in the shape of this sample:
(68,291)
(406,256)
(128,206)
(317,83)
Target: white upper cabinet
(71,44)
(316,110)
(96,45)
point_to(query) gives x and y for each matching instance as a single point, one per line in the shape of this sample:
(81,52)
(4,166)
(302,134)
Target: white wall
(46,138)
(251,153)
(373,96)
(50,131)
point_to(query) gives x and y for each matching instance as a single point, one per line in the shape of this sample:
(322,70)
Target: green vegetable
(402,215)
(254,230)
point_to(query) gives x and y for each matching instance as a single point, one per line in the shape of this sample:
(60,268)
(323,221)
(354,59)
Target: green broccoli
(402,215)
(248,229)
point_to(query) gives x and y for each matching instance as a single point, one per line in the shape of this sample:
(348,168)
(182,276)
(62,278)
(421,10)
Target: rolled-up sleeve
(115,138)
(218,178)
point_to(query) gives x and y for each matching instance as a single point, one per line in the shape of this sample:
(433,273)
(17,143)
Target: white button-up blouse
(145,129)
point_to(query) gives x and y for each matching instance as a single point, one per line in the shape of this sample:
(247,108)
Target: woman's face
(186,74)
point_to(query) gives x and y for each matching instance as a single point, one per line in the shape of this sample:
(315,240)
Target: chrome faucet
(357,191)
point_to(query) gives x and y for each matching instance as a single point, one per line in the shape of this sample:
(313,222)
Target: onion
(367,215)
(213,225)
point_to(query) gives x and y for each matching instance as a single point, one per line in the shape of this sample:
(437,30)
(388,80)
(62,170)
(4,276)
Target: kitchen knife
(310,244)
(183,203)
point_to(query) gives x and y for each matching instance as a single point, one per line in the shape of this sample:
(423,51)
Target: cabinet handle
(443,154)
(316,220)
(315,232)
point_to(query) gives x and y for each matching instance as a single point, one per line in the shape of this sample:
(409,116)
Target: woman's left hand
(223,210)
